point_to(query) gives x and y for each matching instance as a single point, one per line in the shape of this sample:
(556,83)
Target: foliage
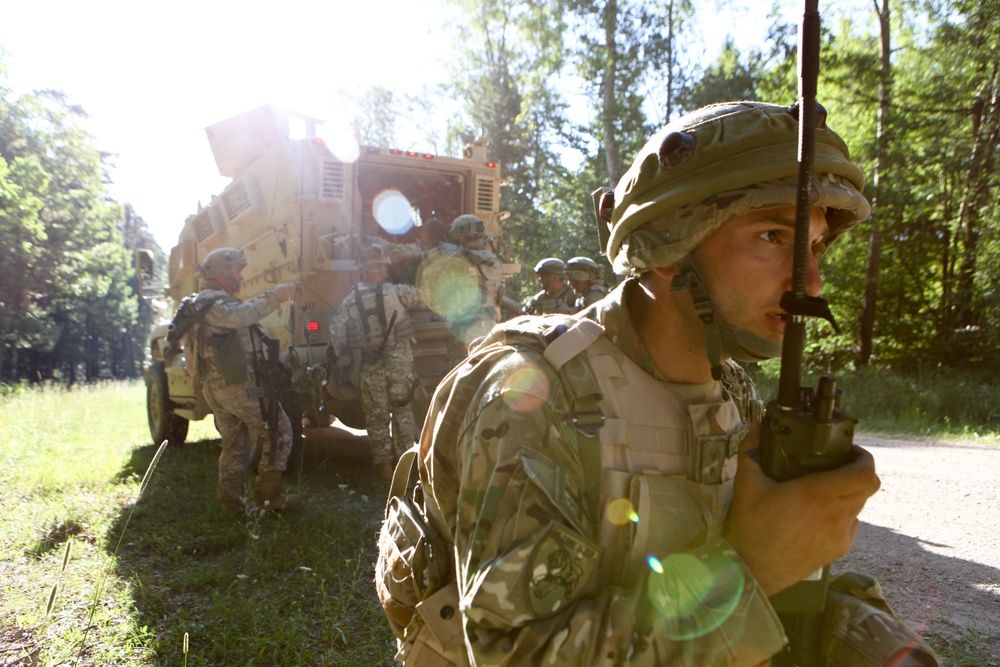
(937,274)
(66,284)
(566,92)
(276,590)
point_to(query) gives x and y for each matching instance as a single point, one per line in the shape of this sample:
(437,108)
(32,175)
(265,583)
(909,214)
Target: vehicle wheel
(163,423)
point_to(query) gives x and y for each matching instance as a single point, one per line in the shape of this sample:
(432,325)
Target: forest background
(912,87)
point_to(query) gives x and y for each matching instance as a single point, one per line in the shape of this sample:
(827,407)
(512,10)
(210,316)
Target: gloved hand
(404,330)
(287,291)
(355,336)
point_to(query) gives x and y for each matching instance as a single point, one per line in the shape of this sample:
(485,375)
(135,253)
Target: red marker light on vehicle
(312,325)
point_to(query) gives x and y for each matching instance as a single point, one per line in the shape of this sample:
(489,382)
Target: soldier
(463,282)
(372,332)
(595,477)
(585,276)
(222,353)
(556,296)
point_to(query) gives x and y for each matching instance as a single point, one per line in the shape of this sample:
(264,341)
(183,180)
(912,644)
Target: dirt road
(931,536)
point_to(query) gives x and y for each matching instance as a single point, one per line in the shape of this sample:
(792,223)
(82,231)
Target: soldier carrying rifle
(221,350)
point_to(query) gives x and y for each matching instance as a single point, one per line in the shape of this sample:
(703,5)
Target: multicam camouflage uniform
(591,295)
(387,375)
(543,302)
(237,416)
(646,579)
(465,286)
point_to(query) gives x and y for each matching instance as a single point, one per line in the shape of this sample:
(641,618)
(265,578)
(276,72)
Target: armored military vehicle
(301,212)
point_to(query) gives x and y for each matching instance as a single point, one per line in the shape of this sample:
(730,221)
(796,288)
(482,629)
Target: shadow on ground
(271,589)
(954,601)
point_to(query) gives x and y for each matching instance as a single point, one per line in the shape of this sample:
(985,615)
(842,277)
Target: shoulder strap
(563,340)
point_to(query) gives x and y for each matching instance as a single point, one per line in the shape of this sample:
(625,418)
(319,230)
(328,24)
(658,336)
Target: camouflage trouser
(386,392)
(236,417)
(860,628)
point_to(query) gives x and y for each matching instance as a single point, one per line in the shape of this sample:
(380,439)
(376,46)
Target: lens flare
(690,597)
(446,286)
(620,512)
(526,389)
(393,212)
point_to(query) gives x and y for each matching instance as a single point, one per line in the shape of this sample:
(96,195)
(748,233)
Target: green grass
(279,590)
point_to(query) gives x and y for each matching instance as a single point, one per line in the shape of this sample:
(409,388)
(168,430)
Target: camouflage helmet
(551,266)
(716,163)
(222,262)
(374,256)
(467,225)
(583,268)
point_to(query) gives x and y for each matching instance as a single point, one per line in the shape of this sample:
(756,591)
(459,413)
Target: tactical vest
(374,307)
(673,463)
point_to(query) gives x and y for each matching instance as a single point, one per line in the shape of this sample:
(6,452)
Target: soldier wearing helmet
(463,282)
(585,276)
(220,362)
(372,336)
(593,475)
(556,296)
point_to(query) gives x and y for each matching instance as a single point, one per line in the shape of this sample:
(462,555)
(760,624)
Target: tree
(64,266)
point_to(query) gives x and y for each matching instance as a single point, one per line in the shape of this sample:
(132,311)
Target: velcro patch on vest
(561,488)
(561,565)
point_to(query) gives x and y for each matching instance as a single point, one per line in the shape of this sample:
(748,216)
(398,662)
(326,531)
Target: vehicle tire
(163,423)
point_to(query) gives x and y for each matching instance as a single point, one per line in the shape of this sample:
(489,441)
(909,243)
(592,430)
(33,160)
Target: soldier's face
(233,281)
(550,282)
(747,267)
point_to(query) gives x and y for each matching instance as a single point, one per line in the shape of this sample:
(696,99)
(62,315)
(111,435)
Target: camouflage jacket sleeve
(338,325)
(231,313)
(409,296)
(532,586)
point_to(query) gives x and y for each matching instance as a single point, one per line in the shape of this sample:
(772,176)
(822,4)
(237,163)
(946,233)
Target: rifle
(804,431)
(269,378)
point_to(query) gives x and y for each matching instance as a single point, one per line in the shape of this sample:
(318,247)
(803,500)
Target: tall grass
(277,590)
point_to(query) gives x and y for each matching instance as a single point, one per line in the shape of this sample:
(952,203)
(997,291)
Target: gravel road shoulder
(931,536)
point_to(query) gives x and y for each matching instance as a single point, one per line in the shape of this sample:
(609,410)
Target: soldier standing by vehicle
(373,334)
(463,282)
(556,296)
(595,476)
(585,276)
(222,352)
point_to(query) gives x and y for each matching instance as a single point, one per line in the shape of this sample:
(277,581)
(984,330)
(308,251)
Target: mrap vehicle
(301,213)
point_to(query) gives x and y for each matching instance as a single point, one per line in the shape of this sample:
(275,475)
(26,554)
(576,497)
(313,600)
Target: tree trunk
(863,351)
(976,197)
(610,73)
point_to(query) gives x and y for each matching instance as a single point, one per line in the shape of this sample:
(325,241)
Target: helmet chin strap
(741,345)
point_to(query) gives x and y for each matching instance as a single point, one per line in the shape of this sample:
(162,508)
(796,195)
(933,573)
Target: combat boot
(233,505)
(267,492)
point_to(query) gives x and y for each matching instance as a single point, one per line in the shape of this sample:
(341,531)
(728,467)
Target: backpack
(415,558)
(192,311)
